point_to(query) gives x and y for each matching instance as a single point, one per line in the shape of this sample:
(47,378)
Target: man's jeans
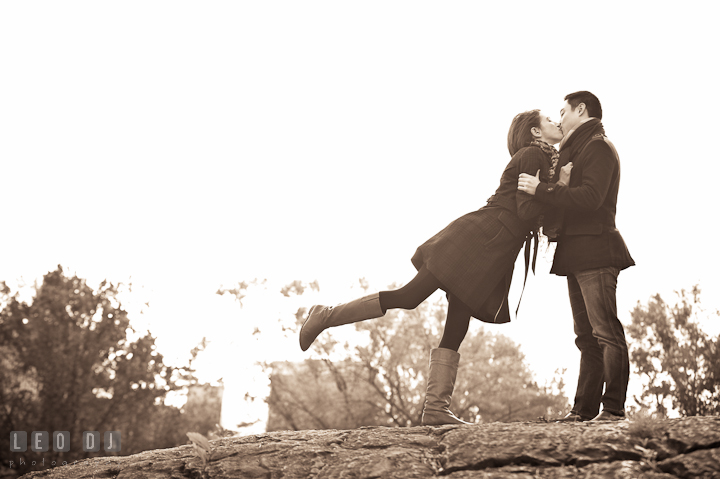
(601,340)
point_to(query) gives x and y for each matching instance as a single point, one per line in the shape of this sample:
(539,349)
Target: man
(590,252)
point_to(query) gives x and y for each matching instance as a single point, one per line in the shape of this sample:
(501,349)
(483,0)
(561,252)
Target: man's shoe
(571,417)
(607,416)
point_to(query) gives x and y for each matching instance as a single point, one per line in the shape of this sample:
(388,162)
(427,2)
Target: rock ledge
(687,447)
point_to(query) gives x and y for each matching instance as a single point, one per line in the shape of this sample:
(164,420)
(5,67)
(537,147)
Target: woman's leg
(444,363)
(372,306)
(412,294)
(416,291)
(456,324)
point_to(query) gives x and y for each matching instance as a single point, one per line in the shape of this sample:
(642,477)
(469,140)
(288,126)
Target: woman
(472,260)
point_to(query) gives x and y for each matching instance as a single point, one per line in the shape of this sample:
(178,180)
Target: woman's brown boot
(322,317)
(441,382)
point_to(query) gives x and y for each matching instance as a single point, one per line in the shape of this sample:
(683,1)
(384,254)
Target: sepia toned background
(187,147)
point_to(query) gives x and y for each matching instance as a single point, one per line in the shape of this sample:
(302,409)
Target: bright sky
(188,145)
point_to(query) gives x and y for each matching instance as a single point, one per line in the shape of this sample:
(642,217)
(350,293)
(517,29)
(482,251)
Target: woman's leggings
(416,291)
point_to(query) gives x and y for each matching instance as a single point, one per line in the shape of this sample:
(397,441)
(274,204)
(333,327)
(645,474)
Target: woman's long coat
(474,256)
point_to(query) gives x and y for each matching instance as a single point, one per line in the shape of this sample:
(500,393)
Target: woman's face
(550,132)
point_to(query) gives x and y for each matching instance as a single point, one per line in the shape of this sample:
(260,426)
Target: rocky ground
(687,447)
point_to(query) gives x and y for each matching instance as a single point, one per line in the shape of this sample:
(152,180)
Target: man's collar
(565,138)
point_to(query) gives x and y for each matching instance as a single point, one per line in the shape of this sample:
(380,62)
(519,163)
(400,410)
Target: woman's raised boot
(440,385)
(322,317)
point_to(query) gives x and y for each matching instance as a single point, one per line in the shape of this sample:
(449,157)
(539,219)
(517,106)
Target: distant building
(203,408)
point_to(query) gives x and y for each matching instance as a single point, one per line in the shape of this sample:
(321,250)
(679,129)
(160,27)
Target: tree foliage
(68,364)
(321,394)
(382,380)
(679,362)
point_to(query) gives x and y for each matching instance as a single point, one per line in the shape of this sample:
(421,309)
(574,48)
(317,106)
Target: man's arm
(598,167)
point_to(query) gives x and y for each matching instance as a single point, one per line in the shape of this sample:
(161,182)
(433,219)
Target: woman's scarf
(550,232)
(551,222)
(551,152)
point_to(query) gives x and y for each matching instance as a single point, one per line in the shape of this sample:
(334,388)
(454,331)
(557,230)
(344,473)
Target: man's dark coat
(589,238)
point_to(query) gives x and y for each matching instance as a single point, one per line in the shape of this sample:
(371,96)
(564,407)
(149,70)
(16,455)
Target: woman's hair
(519,135)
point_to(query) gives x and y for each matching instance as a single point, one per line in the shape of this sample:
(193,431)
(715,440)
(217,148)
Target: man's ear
(581,108)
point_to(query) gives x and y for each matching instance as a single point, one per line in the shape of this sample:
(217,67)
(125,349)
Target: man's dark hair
(592,104)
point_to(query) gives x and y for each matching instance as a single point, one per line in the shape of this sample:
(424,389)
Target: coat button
(551,188)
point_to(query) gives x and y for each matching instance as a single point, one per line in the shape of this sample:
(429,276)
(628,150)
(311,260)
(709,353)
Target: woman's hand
(565,174)
(528,183)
